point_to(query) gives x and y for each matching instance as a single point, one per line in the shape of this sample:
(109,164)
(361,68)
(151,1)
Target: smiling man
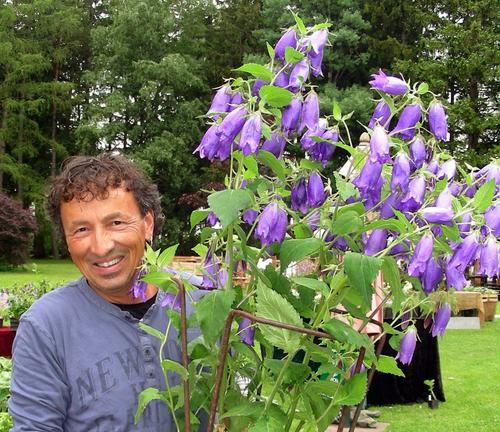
(79,358)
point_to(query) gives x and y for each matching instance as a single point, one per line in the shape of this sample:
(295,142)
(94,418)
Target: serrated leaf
(275,96)
(146,396)
(245,409)
(302,231)
(311,165)
(336,111)
(345,188)
(152,331)
(298,249)
(257,70)
(292,55)
(390,224)
(197,216)
(361,271)
(251,166)
(170,365)
(295,373)
(267,423)
(227,204)
(484,196)
(166,256)
(346,334)
(269,160)
(313,284)
(392,277)
(451,232)
(212,311)
(272,306)
(386,364)
(162,280)
(346,223)
(353,391)
(200,249)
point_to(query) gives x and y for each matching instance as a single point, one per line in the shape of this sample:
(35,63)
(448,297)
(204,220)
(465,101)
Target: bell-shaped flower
(316,60)
(282,79)
(236,101)
(232,124)
(438,215)
(388,84)
(464,224)
(299,196)
(433,167)
(220,102)
(306,141)
(376,242)
(444,199)
(437,121)
(400,250)
(422,254)
(257,85)
(315,190)
(440,320)
(380,115)
(310,112)
(291,115)
(318,40)
(400,173)
(313,220)
(492,219)
(379,145)
(414,198)
(417,153)
(298,76)
(209,144)
(249,216)
(408,120)
(288,39)
(250,134)
(369,175)
(488,258)
(246,331)
(432,276)
(212,219)
(464,253)
(407,346)
(372,196)
(489,172)
(138,288)
(470,191)
(275,145)
(272,225)
(214,275)
(448,169)
(389,204)
(323,151)
(454,278)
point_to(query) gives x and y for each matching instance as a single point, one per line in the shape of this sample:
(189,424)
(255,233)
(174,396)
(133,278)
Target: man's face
(106,239)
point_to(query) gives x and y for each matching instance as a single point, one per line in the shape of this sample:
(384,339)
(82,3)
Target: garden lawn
(54,271)
(470,370)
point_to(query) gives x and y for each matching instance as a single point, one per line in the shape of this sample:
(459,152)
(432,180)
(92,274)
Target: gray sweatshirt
(79,364)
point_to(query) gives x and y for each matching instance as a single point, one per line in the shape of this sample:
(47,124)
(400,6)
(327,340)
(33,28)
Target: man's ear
(149,222)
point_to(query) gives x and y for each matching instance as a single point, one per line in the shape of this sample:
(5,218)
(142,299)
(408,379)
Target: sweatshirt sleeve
(39,391)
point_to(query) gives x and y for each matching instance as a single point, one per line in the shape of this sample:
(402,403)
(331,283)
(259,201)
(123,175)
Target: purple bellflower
(209,144)
(306,141)
(376,242)
(407,346)
(212,219)
(246,331)
(417,153)
(138,288)
(369,175)
(236,100)
(438,215)
(379,145)
(422,254)
(440,319)
(492,219)
(437,121)
(291,115)
(433,167)
(318,40)
(489,172)
(454,277)
(414,198)
(316,61)
(299,196)
(464,224)
(298,76)
(220,102)
(444,199)
(448,169)
(272,225)
(275,145)
(388,84)
(323,151)
(488,258)
(257,85)
(281,80)
(172,301)
(455,188)
(432,276)
(288,39)
(372,196)
(232,124)
(315,190)
(310,112)
(400,173)
(380,115)
(250,134)
(214,276)
(388,206)
(249,216)
(464,253)
(407,121)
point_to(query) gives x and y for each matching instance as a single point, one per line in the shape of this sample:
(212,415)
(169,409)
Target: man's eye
(117,223)
(80,230)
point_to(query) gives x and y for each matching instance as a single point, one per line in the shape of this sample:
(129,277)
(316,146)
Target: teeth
(109,263)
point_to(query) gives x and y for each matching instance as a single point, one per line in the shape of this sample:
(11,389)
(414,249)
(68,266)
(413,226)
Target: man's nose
(102,242)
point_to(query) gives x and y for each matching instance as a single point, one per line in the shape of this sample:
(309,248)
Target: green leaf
(423,88)
(300,23)
(146,396)
(269,160)
(267,423)
(212,311)
(302,231)
(200,249)
(295,373)
(353,391)
(386,364)
(361,271)
(314,284)
(151,331)
(292,55)
(275,96)
(272,306)
(166,256)
(345,188)
(321,26)
(298,249)
(251,166)
(484,196)
(245,409)
(311,165)
(162,280)
(257,70)
(346,223)
(170,365)
(197,216)
(346,334)
(336,111)
(227,204)
(270,50)
(392,277)
(451,232)
(390,224)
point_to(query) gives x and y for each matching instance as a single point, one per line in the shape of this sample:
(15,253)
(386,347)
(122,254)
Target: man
(80,359)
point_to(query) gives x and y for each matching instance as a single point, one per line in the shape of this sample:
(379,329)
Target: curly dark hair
(85,178)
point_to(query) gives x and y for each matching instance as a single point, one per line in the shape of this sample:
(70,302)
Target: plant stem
(278,380)
(230,257)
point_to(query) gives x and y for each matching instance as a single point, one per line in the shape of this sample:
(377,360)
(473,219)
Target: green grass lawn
(470,370)
(55,271)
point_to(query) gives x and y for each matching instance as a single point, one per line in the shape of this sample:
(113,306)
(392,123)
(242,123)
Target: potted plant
(21,297)
(432,401)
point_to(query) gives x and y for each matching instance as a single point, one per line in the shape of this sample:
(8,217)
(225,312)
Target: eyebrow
(111,216)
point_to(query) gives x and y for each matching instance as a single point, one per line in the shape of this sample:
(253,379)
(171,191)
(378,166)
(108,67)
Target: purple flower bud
(323,151)
(372,195)
(407,121)
(232,124)
(138,288)
(381,114)
(438,215)
(318,40)
(281,80)
(315,190)
(437,121)
(236,100)
(454,188)
(422,254)
(212,219)
(440,320)
(465,253)
(313,220)
(306,142)
(470,191)
(299,196)
(414,198)
(299,75)
(448,169)
(492,219)
(310,112)
(417,153)
(352,369)
(464,224)
(249,216)
(220,102)
(257,85)
(454,278)
(210,143)
(388,206)
(400,173)
(376,242)
(275,145)
(379,145)
(288,39)
(488,258)
(433,167)
(489,172)
(388,84)
(316,61)
(250,134)
(272,225)
(444,199)
(246,331)
(432,276)
(369,175)
(407,346)
(291,115)
(173,301)
(214,276)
